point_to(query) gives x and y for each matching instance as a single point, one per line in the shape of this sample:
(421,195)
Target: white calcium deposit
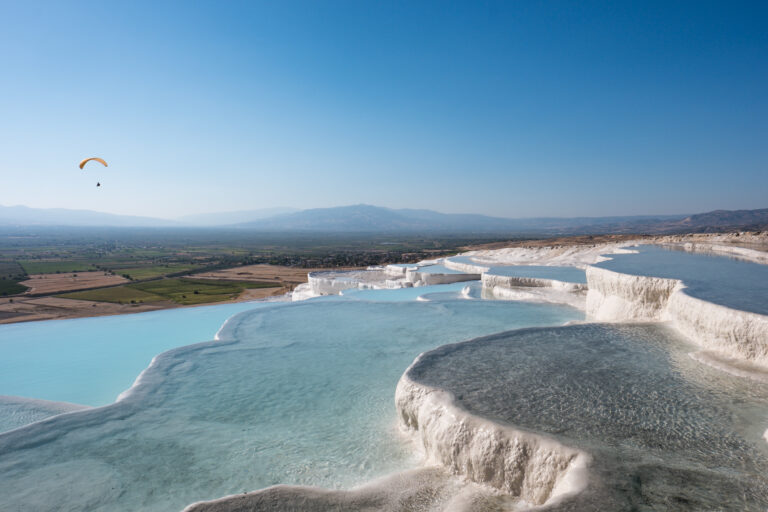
(733,333)
(492,280)
(562,256)
(386,277)
(744,253)
(335,282)
(463,266)
(542,294)
(537,469)
(531,289)
(476,268)
(608,296)
(617,297)
(418,278)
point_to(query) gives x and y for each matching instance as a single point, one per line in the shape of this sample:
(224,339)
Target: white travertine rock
(575,299)
(491,281)
(389,277)
(303,292)
(533,289)
(426,278)
(730,250)
(567,256)
(469,268)
(532,467)
(617,297)
(739,334)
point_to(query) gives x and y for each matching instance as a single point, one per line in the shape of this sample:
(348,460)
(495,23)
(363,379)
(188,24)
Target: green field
(197,291)
(11,270)
(117,294)
(137,270)
(139,273)
(53,267)
(180,290)
(11,287)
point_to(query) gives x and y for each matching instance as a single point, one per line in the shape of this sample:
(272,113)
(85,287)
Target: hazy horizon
(290,209)
(504,109)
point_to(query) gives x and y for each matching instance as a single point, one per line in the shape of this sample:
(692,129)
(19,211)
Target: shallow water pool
(295,393)
(666,432)
(719,279)
(90,361)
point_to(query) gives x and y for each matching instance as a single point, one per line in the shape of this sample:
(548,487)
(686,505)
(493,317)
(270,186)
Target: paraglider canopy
(85,161)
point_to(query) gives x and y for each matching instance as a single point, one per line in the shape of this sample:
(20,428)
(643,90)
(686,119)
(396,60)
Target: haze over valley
(373,219)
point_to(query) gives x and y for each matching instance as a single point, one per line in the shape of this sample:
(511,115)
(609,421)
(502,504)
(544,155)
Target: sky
(510,108)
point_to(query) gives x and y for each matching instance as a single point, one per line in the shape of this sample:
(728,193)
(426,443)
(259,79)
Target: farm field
(153,271)
(11,270)
(179,290)
(52,267)
(57,283)
(11,287)
(116,294)
(11,274)
(286,276)
(25,309)
(198,291)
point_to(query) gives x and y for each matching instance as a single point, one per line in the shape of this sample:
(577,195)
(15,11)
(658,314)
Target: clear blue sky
(514,108)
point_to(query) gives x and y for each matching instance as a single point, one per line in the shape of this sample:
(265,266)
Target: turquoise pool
(296,393)
(665,432)
(566,274)
(719,279)
(90,361)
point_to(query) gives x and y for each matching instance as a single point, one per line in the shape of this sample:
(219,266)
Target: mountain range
(26,216)
(230,218)
(375,219)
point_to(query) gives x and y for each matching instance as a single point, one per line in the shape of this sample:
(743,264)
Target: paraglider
(97,159)
(86,160)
